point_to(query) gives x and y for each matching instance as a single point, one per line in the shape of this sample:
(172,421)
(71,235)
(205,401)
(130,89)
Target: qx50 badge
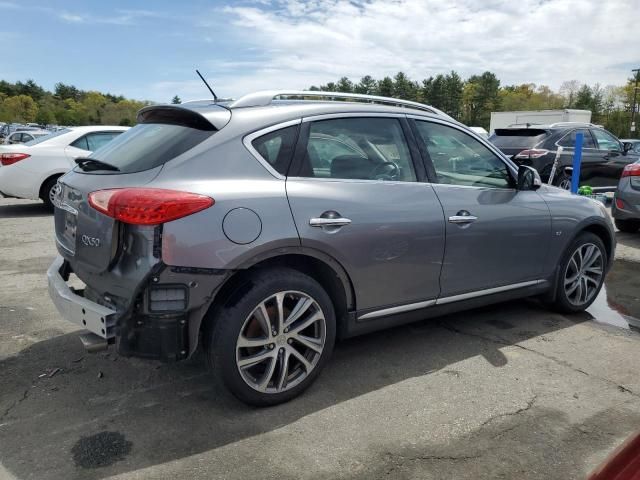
(90,241)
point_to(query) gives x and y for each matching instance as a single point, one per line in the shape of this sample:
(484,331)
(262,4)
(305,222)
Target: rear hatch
(100,250)
(512,141)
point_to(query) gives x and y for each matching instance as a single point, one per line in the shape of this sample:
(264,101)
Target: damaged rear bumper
(163,319)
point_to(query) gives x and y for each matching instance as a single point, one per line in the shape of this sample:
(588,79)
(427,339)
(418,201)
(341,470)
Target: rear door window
(518,137)
(358,148)
(569,140)
(149,145)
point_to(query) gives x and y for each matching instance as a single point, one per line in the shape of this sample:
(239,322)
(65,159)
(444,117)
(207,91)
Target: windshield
(149,145)
(46,137)
(517,137)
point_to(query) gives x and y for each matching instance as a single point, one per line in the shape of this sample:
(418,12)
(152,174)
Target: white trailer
(537,117)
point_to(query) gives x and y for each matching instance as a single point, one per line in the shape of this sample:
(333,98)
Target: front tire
(271,340)
(627,226)
(582,272)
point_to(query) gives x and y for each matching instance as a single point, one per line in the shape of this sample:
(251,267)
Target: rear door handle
(329,222)
(462,217)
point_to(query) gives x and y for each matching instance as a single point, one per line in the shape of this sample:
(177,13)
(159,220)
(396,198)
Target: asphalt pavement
(510,391)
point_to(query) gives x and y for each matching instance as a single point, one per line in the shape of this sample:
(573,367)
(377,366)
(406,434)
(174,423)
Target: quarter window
(359,149)
(277,147)
(569,140)
(605,140)
(460,159)
(98,140)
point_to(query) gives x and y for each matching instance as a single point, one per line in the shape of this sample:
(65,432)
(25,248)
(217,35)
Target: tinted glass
(569,140)
(99,140)
(518,137)
(605,140)
(358,148)
(277,147)
(81,143)
(149,145)
(460,159)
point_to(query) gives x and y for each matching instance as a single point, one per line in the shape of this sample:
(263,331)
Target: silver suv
(266,228)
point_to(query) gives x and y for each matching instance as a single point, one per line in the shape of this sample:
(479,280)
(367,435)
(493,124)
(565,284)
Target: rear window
(149,145)
(517,137)
(48,137)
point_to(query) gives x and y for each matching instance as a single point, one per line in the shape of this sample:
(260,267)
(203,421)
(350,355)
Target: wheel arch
(49,177)
(327,271)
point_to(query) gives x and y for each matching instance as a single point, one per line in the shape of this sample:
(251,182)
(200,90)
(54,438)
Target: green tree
(453,87)
(584,98)
(482,97)
(403,87)
(64,92)
(385,87)
(20,108)
(367,86)
(176,100)
(344,85)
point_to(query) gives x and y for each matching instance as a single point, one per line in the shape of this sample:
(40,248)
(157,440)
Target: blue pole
(577,161)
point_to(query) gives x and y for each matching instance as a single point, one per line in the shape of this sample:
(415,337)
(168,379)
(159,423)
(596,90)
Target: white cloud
(299,43)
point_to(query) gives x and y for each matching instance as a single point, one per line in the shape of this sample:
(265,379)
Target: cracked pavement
(510,391)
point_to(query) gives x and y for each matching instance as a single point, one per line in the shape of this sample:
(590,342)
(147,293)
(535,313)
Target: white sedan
(31,170)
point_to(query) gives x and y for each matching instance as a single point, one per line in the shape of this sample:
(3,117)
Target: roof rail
(572,124)
(264,98)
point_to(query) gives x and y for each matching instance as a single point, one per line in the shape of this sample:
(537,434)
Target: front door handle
(329,222)
(462,217)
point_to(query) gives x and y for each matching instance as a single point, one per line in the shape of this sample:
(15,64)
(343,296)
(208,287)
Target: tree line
(24,102)
(471,101)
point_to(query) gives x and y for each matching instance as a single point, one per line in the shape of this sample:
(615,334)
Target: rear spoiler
(201,117)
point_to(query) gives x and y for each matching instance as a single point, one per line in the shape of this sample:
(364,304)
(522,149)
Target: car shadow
(23,210)
(96,415)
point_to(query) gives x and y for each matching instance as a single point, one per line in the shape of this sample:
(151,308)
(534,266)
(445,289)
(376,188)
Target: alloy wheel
(584,274)
(53,192)
(565,184)
(281,342)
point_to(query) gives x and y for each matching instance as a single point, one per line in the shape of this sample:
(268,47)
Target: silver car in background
(266,228)
(625,208)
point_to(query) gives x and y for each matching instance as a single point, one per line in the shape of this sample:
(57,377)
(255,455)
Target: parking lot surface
(510,391)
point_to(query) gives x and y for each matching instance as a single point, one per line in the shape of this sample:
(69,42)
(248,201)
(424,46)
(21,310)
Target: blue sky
(149,49)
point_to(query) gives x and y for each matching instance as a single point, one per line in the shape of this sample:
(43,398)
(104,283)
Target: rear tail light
(619,204)
(631,170)
(147,206)
(11,158)
(532,153)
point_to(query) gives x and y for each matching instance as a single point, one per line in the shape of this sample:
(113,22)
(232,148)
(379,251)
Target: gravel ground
(511,391)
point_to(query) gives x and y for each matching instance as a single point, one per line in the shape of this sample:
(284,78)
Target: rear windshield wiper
(91,164)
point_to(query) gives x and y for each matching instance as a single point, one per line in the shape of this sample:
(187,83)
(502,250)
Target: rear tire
(627,226)
(582,272)
(47,192)
(263,367)
(564,181)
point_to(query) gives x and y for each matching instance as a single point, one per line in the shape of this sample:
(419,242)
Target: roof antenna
(215,97)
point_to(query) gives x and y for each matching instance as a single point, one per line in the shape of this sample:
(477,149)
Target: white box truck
(537,117)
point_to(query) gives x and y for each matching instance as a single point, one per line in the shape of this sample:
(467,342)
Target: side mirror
(528,178)
(627,146)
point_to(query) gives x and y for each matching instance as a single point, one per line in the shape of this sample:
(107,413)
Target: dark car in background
(625,208)
(603,155)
